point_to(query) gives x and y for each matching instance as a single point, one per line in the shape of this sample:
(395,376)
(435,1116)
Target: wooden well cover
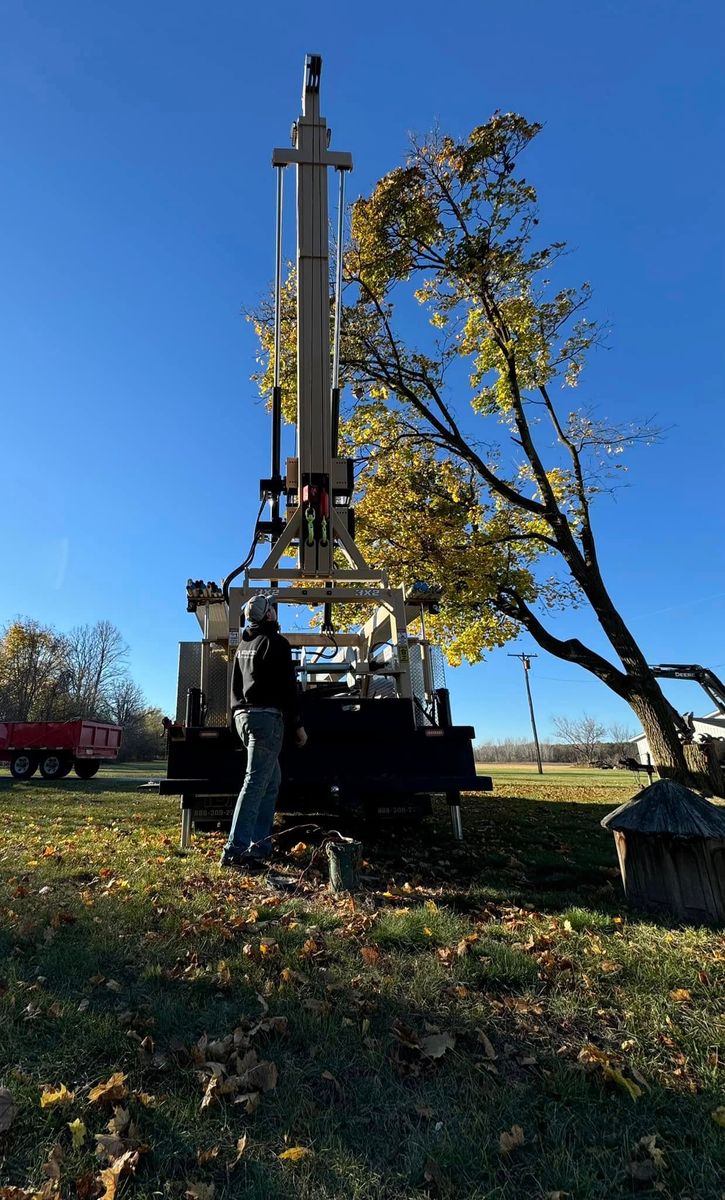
(671,847)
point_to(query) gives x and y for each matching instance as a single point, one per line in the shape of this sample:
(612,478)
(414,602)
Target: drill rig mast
(377,711)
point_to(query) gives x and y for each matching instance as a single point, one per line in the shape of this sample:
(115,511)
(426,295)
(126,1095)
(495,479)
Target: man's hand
(300,737)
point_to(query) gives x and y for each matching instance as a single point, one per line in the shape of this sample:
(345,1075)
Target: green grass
(568,776)
(517,944)
(140,770)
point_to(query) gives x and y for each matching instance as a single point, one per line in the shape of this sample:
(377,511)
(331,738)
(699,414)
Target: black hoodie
(263,674)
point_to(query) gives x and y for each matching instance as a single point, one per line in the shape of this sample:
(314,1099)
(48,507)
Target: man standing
(264,699)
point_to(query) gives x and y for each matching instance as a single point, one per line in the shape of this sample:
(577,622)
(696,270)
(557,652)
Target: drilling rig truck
(381,740)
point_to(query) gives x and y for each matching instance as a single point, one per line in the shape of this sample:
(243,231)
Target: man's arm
(289,700)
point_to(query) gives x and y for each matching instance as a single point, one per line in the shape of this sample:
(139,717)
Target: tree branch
(572,650)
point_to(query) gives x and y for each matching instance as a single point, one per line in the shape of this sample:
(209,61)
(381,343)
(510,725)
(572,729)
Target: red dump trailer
(57,747)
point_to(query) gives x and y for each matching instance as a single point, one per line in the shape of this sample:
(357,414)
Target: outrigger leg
(454,801)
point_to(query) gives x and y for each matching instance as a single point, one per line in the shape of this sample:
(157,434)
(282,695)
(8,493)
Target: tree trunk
(695,766)
(705,768)
(689,765)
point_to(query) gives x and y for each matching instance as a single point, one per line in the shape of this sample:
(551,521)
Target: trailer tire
(23,764)
(86,768)
(55,766)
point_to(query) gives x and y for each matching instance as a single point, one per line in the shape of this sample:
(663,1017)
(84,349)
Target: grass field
(526,774)
(480,1021)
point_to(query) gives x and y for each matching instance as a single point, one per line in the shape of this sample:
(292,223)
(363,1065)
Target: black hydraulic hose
(243,566)
(335,420)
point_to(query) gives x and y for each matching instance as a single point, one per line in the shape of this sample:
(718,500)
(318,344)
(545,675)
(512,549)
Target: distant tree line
(584,741)
(50,676)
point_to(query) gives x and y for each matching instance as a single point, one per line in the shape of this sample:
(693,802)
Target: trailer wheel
(54,766)
(23,764)
(85,768)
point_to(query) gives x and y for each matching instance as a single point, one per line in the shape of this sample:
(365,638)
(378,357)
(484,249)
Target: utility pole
(526,664)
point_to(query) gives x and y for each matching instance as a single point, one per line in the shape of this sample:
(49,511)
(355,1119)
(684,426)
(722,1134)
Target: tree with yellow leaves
(469,472)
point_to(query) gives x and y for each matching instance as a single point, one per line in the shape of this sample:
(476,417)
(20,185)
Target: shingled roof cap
(669,807)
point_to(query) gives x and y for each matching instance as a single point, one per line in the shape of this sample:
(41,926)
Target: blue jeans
(262,734)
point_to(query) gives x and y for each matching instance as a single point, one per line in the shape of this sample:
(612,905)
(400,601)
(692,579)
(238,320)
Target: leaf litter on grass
(519,991)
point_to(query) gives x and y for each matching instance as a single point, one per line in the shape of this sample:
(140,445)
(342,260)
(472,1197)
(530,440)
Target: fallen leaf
(51,1168)
(287,975)
(85,1186)
(511,1141)
(648,1145)
(371,955)
(313,1005)
(59,1095)
(679,995)
(200,1191)
(330,1078)
(205,1156)
(436,1044)
(213,1088)
(120,1120)
(78,1132)
(718,1115)
(250,1101)
(627,1085)
(223,975)
(241,1147)
(406,1037)
(299,850)
(110,1146)
(490,1052)
(125,1165)
(295,1154)
(262,1077)
(592,1054)
(111,1090)
(8,1109)
(270,1025)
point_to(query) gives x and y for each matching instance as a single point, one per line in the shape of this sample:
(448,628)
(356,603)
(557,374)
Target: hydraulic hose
(243,566)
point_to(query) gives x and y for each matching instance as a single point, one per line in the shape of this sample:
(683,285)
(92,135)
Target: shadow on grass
(386,1121)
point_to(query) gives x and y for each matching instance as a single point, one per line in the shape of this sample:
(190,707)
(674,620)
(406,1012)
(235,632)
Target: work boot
(241,862)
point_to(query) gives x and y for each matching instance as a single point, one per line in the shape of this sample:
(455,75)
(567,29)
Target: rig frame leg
(454,802)
(185,839)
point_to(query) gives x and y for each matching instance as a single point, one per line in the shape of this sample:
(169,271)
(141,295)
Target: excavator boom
(707,679)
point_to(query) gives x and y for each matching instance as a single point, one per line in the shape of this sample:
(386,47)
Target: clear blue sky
(137,219)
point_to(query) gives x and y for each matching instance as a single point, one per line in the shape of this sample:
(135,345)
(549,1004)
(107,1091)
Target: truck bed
(83,739)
